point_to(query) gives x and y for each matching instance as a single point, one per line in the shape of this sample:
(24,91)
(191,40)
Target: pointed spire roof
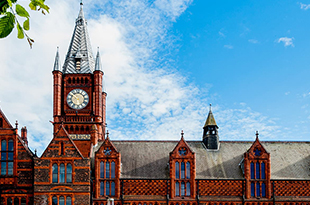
(79,48)
(57,63)
(98,65)
(210,120)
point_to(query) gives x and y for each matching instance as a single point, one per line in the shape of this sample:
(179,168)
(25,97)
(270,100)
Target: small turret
(210,132)
(24,135)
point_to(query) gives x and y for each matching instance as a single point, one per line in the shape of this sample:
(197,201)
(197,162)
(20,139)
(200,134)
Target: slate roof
(79,48)
(149,159)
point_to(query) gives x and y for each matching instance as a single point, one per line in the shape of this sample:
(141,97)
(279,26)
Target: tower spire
(210,119)
(210,132)
(79,58)
(98,65)
(56,63)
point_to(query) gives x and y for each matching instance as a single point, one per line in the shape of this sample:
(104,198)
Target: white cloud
(222,34)
(228,46)
(147,97)
(304,6)
(254,41)
(287,41)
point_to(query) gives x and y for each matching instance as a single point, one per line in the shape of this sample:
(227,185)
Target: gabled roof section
(257,148)
(210,120)
(107,143)
(5,122)
(79,48)
(178,149)
(62,133)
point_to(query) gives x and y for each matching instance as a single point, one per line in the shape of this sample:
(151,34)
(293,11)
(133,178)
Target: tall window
(107,170)
(23,201)
(16,201)
(102,188)
(188,170)
(54,200)
(112,188)
(7,156)
(112,170)
(107,188)
(258,179)
(182,188)
(177,189)
(188,189)
(62,173)
(55,173)
(177,172)
(101,169)
(61,200)
(9,201)
(182,170)
(107,174)
(69,173)
(68,200)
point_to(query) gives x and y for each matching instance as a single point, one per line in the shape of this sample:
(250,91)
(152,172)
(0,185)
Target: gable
(107,149)
(182,150)
(4,122)
(61,146)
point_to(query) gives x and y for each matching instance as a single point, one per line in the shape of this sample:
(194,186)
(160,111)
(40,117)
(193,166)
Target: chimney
(24,135)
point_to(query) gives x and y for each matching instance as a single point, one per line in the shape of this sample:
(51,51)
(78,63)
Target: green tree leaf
(20,33)
(21,11)
(6,24)
(26,25)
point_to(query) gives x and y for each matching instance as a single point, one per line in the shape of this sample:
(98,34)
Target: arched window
(107,170)
(62,174)
(69,81)
(101,169)
(76,128)
(87,128)
(82,81)
(71,128)
(252,170)
(177,189)
(68,200)
(16,201)
(112,170)
(82,128)
(257,171)
(73,80)
(182,188)
(188,170)
(263,189)
(61,200)
(263,170)
(188,188)
(101,188)
(9,201)
(78,80)
(54,200)
(177,172)
(182,170)
(112,188)
(86,80)
(69,173)
(55,173)
(23,201)
(107,188)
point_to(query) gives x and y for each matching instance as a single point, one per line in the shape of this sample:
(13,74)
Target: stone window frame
(258,183)
(107,185)
(6,153)
(58,199)
(180,180)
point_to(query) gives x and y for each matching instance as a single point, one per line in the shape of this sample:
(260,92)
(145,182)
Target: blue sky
(165,61)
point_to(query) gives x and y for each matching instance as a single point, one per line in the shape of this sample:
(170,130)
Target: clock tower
(79,100)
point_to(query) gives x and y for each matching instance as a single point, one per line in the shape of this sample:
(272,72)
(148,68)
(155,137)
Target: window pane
(257,190)
(16,201)
(54,200)
(257,171)
(62,174)
(3,155)
(188,170)
(112,170)
(177,172)
(263,190)
(188,189)
(68,200)
(182,188)
(101,169)
(55,173)
(61,200)
(263,170)
(69,173)
(23,202)
(252,189)
(10,156)
(10,168)
(9,201)
(252,170)
(101,188)
(107,170)
(177,189)
(3,147)
(112,188)
(10,147)
(3,168)
(107,188)
(182,170)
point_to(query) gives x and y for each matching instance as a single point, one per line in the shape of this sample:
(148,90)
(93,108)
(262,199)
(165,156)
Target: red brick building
(82,165)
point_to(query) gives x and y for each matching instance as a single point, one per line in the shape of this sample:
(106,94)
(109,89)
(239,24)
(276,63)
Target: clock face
(77,99)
